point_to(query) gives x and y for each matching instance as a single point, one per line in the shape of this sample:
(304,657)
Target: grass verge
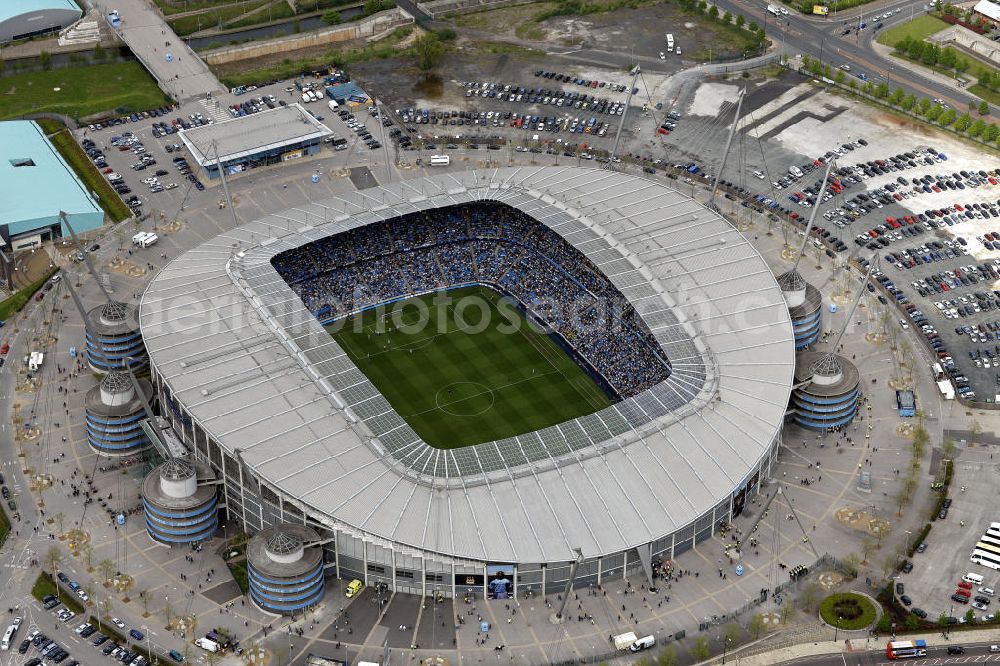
(91,177)
(45,585)
(4,526)
(13,305)
(468,374)
(921,27)
(239,570)
(80,91)
(219,17)
(240,75)
(847,610)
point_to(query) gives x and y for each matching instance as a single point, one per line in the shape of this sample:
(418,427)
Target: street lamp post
(836,629)
(725,648)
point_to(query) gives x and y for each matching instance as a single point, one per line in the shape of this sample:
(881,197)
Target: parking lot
(937,572)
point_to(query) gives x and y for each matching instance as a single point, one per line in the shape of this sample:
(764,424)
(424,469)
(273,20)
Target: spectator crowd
(487,243)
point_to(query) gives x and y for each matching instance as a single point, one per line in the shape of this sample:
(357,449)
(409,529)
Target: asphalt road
(975,653)
(821,37)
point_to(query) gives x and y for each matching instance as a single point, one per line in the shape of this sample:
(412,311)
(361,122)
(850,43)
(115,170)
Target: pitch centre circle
(465,398)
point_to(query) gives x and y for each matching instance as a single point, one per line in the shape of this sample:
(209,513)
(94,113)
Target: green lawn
(463,380)
(83,91)
(847,610)
(92,179)
(919,28)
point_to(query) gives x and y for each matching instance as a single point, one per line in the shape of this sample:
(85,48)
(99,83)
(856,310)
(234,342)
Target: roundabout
(848,611)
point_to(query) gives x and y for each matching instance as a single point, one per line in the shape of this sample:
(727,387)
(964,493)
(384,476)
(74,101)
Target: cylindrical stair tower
(113,336)
(114,413)
(285,568)
(178,510)
(805,306)
(827,390)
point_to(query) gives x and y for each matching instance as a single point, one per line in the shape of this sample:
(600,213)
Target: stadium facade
(257,389)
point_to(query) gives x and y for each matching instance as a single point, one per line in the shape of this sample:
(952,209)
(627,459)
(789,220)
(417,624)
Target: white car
(784,11)
(118,623)
(663,56)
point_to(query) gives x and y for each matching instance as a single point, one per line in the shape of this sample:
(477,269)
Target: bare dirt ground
(640,31)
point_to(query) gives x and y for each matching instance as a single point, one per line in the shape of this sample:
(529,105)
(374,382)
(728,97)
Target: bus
(906,649)
(985,558)
(990,539)
(7,636)
(988,547)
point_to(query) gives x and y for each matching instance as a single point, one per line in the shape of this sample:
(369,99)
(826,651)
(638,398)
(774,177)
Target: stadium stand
(486,243)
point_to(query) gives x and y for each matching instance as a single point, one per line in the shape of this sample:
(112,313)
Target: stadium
(616,389)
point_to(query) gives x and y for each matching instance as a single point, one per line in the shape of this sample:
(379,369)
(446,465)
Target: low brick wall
(372,27)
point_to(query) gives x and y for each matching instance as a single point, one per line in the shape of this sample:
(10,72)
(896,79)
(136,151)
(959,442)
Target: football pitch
(460,374)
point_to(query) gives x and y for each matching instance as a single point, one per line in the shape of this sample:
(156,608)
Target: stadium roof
(253,367)
(35,182)
(12,8)
(253,134)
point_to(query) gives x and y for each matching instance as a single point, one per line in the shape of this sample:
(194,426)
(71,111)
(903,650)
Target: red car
(965,586)
(964,592)
(5,348)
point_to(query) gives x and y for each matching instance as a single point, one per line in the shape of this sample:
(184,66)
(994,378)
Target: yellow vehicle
(354,587)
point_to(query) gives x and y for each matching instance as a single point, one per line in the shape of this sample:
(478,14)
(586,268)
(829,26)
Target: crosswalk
(215,110)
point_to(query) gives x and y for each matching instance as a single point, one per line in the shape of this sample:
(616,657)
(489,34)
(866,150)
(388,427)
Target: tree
(909,102)
(977,127)
(963,122)
(867,546)
(104,605)
(934,113)
(700,650)
(911,621)
(942,620)
(429,50)
(667,657)
(984,108)
(757,625)
(839,77)
(331,17)
(740,20)
(52,558)
(787,610)
(753,26)
(810,596)
(60,519)
(733,634)
(882,91)
(897,96)
(168,611)
(88,589)
(714,12)
(991,132)
(107,568)
(727,18)
(970,616)
(986,79)
(45,58)
(947,117)
(923,106)
(88,556)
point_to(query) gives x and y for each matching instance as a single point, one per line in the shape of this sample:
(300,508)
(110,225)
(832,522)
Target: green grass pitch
(465,380)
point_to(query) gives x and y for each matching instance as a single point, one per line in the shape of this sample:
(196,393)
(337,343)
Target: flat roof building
(259,139)
(21,19)
(35,184)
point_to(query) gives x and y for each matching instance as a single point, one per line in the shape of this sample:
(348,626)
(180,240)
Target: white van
(306,98)
(139,237)
(207,644)
(332,104)
(973,578)
(440,160)
(149,240)
(643,643)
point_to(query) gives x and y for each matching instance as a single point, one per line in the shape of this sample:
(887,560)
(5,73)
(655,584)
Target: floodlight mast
(812,216)
(86,257)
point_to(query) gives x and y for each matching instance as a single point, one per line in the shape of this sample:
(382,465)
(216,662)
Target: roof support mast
(86,257)
(225,184)
(812,216)
(725,153)
(610,166)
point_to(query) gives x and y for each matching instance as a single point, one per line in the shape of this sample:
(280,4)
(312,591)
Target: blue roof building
(35,184)
(20,19)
